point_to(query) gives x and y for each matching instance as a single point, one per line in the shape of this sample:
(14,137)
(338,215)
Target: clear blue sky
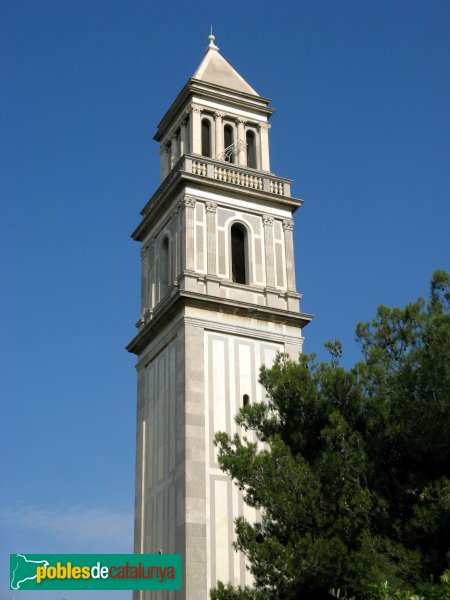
(362,126)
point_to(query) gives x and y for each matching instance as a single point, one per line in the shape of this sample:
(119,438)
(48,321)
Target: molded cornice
(168,308)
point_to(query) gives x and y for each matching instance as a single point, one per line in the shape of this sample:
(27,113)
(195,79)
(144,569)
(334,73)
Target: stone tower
(219,300)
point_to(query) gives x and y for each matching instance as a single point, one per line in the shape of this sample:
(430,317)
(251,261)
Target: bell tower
(218,300)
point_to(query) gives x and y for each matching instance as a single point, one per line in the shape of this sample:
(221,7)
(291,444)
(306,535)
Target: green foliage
(385,591)
(228,592)
(353,478)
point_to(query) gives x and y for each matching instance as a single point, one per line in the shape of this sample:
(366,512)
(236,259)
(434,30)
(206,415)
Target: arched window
(239,269)
(164,267)
(228,140)
(251,149)
(206,137)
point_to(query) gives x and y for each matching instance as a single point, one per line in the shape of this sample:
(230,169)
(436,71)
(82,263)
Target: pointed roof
(216,70)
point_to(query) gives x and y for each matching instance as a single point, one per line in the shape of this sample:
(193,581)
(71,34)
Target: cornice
(176,301)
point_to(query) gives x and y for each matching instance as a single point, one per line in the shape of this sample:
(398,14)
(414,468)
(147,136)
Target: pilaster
(211,209)
(151,274)
(242,158)
(175,247)
(187,208)
(144,280)
(173,151)
(219,133)
(196,130)
(264,139)
(183,137)
(288,228)
(164,154)
(270,291)
(212,281)
(268,247)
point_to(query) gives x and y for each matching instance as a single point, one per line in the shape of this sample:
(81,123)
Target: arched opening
(206,137)
(251,149)
(239,270)
(164,267)
(228,140)
(245,400)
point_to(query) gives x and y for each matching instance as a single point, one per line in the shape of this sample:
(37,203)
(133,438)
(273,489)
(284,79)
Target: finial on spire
(211,38)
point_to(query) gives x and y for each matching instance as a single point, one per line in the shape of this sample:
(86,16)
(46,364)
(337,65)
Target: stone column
(264,140)
(144,280)
(258,148)
(151,274)
(173,151)
(211,209)
(288,226)
(268,247)
(183,138)
(181,237)
(187,207)
(219,133)
(164,153)
(175,270)
(196,129)
(242,154)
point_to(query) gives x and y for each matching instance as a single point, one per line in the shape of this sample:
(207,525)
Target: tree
(351,470)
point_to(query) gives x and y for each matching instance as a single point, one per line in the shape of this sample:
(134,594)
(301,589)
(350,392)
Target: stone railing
(233,175)
(198,168)
(225,172)
(237,175)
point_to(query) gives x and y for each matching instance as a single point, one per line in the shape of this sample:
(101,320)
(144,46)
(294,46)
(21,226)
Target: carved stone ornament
(211,207)
(144,251)
(241,120)
(264,126)
(267,220)
(288,224)
(219,115)
(195,108)
(187,201)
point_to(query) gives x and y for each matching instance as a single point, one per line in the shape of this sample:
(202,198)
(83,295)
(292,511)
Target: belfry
(218,301)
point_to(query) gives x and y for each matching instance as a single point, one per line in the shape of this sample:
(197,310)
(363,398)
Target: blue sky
(362,126)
